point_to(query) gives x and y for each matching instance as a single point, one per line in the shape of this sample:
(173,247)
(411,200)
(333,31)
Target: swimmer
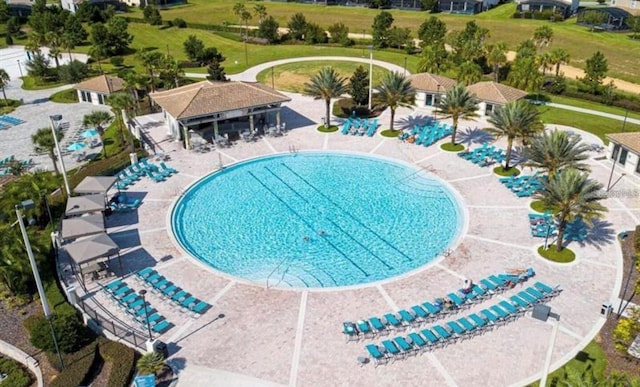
(306,238)
(321,232)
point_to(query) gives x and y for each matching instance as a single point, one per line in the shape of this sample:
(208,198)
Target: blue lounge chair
(520,302)
(121,292)
(161,327)
(158,285)
(390,347)
(406,317)
(179,296)
(153,319)
(458,301)
(393,321)
(510,308)
(377,356)
(405,347)
(113,285)
(456,328)
(528,298)
(432,309)
(443,333)
(170,290)
(502,313)
(536,293)
(479,292)
(187,302)
(421,313)
(200,307)
(164,167)
(417,340)
(544,288)
(431,338)
(128,299)
(467,325)
(480,322)
(364,328)
(350,330)
(146,272)
(488,284)
(135,306)
(153,278)
(377,325)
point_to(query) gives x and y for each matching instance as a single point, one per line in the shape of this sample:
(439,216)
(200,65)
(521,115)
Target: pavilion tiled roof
(629,140)
(209,97)
(104,84)
(431,82)
(496,92)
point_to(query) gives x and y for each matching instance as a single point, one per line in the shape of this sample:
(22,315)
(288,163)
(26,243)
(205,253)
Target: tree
(268,29)
(325,85)
(210,55)
(119,102)
(238,9)
(543,36)
(518,119)
(432,32)
(245,16)
(574,195)
(359,86)
(379,3)
(394,91)
(8,39)
(99,119)
(380,29)
(496,58)
(592,18)
(526,49)
(151,60)
(468,44)
(152,15)
(469,72)
(4,81)
(43,142)
(193,47)
(151,363)
(458,103)
(216,72)
(433,59)
(429,5)
(119,37)
(4,12)
(38,66)
(545,61)
(315,34)
(99,38)
(339,33)
(74,34)
(525,75)
(556,150)
(595,71)
(260,11)
(633,23)
(170,71)
(297,26)
(73,72)
(400,38)
(53,41)
(559,56)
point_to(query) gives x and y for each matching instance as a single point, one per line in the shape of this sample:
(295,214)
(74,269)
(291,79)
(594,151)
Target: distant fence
(128,334)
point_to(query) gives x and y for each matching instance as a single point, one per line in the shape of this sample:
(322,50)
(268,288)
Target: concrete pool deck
(274,337)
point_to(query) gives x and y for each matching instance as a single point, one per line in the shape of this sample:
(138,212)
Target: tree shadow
(475,135)
(409,122)
(601,233)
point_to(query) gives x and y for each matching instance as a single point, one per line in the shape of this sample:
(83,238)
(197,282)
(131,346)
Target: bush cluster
(122,359)
(16,375)
(621,102)
(77,367)
(627,330)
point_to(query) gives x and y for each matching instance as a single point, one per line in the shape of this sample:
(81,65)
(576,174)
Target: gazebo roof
(496,92)
(95,184)
(629,140)
(431,82)
(208,97)
(92,248)
(82,226)
(104,84)
(78,205)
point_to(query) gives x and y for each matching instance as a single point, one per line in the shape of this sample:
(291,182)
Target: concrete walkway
(23,358)
(595,113)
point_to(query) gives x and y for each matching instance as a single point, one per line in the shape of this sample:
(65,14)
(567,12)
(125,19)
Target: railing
(125,333)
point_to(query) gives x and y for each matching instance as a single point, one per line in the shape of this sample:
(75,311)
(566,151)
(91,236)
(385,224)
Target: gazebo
(79,205)
(93,250)
(80,226)
(95,185)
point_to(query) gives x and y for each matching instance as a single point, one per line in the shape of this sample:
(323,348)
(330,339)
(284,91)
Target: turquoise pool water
(317,219)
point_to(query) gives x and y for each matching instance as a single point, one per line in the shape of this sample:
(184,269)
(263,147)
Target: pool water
(317,219)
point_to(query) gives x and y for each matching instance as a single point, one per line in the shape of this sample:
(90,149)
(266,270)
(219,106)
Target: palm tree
(325,85)
(546,61)
(151,363)
(496,58)
(151,60)
(555,150)
(119,102)
(54,41)
(43,142)
(98,118)
(458,103)
(469,72)
(518,119)
(394,91)
(15,270)
(574,195)
(260,11)
(559,57)
(4,81)
(34,186)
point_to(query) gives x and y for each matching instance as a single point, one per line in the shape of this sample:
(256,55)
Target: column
(187,139)
(278,117)
(215,129)
(251,124)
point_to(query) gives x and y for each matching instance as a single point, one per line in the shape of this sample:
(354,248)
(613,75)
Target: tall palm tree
(458,103)
(120,102)
(43,142)
(574,195)
(151,60)
(469,72)
(4,81)
(497,57)
(54,41)
(325,85)
(98,118)
(555,150)
(560,56)
(546,61)
(518,119)
(394,91)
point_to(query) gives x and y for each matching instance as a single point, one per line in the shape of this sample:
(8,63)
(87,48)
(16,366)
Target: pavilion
(491,95)
(624,150)
(430,88)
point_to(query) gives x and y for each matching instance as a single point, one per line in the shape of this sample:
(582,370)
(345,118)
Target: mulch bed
(618,361)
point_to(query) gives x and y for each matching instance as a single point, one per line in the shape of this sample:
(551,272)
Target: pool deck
(270,337)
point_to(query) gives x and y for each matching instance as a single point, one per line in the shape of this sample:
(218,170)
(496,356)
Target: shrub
(103,167)
(68,327)
(627,330)
(151,363)
(122,359)
(117,61)
(73,72)
(77,367)
(637,241)
(16,375)
(180,23)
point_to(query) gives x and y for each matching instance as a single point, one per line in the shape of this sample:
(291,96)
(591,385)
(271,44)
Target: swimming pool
(317,219)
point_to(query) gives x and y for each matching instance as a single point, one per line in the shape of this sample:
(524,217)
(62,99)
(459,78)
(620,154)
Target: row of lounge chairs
(7,160)
(134,305)
(523,185)
(427,134)
(133,173)
(543,225)
(10,120)
(485,155)
(121,203)
(171,292)
(360,127)
(428,312)
(441,335)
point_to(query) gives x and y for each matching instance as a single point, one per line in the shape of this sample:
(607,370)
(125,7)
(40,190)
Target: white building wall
(630,164)
(482,108)
(421,99)
(69,5)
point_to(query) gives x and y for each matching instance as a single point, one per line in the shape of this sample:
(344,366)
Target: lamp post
(370,75)
(20,68)
(404,72)
(543,312)
(27,205)
(626,115)
(55,120)
(142,293)
(435,103)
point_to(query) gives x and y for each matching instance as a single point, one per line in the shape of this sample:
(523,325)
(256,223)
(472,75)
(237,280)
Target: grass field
(292,76)
(593,106)
(591,123)
(591,356)
(621,51)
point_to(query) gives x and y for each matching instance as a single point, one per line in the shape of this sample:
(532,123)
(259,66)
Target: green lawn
(33,83)
(593,105)
(292,76)
(592,355)
(65,96)
(621,51)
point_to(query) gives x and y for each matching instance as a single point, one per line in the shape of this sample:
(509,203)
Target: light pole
(142,293)
(27,205)
(370,75)
(55,120)
(543,312)
(404,72)
(20,68)
(624,123)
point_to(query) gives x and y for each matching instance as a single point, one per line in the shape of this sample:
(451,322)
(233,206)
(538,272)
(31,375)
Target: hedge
(77,367)
(16,375)
(122,359)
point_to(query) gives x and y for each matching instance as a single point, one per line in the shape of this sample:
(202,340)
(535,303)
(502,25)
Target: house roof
(629,140)
(496,92)
(105,84)
(208,97)
(431,82)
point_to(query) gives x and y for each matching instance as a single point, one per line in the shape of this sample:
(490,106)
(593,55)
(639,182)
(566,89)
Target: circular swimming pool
(317,219)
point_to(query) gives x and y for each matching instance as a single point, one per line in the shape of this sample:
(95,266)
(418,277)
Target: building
(492,94)
(212,108)
(624,150)
(611,18)
(627,4)
(466,7)
(72,5)
(96,90)
(559,8)
(430,88)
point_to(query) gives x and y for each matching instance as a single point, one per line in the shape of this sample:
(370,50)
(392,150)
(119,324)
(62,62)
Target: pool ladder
(293,149)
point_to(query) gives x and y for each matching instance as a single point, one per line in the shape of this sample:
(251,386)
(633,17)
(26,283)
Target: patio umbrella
(89,133)
(76,146)
(78,205)
(95,184)
(82,226)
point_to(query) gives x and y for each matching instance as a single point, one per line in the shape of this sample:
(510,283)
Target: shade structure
(78,205)
(90,249)
(76,146)
(95,184)
(82,226)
